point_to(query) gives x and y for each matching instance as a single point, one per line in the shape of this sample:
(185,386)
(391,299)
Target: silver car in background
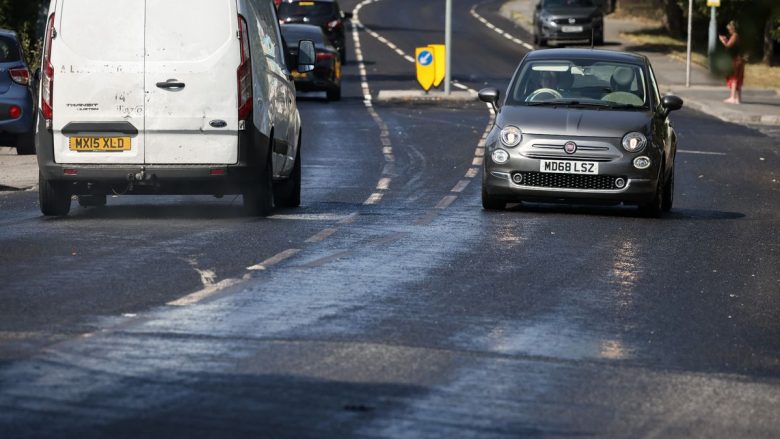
(568,21)
(582,125)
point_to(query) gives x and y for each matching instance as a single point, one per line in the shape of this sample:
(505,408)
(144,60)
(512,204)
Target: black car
(568,21)
(17,109)
(582,125)
(323,13)
(326,75)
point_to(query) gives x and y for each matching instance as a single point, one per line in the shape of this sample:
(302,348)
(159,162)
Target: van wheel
(92,200)
(25,144)
(334,94)
(258,195)
(53,197)
(287,193)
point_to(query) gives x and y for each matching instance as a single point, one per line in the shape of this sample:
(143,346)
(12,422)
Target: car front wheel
(491,203)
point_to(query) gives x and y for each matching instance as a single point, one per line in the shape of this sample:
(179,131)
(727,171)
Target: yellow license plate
(99,143)
(298,75)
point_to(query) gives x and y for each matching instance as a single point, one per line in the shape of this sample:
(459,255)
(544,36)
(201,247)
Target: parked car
(17,111)
(191,97)
(568,21)
(326,75)
(582,125)
(326,14)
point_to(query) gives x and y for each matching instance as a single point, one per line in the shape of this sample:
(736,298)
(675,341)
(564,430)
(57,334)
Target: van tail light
(245,104)
(324,56)
(47,80)
(335,24)
(20,76)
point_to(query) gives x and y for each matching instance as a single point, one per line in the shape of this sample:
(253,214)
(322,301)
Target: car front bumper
(555,32)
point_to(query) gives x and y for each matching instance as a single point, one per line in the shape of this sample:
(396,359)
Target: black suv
(323,13)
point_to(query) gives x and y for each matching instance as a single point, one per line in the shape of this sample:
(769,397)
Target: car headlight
(511,136)
(500,156)
(634,142)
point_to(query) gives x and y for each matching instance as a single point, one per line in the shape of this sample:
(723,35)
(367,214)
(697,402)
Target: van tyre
(92,200)
(258,194)
(25,144)
(491,203)
(287,193)
(53,197)
(334,94)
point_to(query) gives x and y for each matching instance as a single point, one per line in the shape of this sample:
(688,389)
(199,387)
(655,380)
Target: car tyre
(491,203)
(92,200)
(343,54)
(668,195)
(25,144)
(53,197)
(599,39)
(654,208)
(334,93)
(258,195)
(287,193)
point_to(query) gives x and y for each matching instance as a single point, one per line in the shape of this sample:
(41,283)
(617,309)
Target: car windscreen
(580,82)
(306,9)
(9,50)
(293,34)
(568,3)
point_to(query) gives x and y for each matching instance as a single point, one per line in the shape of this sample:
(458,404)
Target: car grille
(565,21)
(568,181)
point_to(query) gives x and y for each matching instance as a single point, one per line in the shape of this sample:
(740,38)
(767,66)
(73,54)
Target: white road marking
(460,186)
(686,151)
(446,201)
(275,259)
(472,172)
(322,235)
(375,198)
(498,30)
(384,184)
(206,292)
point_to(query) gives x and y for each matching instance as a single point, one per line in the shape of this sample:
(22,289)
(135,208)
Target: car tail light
(322,56)
(15,112)
(245,104)
(335,24)
(47,82)
(20,76)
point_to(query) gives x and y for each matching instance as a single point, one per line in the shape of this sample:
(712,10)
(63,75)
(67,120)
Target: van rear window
(9,50)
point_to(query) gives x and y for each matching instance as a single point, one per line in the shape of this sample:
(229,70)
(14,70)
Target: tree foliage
(22,16)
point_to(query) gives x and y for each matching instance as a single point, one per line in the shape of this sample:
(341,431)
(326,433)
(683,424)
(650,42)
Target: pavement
(706,94)
(17,172)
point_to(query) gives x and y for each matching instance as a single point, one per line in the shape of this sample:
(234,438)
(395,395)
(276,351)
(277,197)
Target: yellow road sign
(713,3)
(439,63)
(426,67)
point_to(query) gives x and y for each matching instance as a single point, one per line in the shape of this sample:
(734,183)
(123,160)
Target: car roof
(591,54)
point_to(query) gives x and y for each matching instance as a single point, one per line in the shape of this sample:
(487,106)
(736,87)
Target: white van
(168,97)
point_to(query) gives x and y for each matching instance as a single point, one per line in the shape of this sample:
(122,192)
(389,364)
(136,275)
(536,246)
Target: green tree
(22,16)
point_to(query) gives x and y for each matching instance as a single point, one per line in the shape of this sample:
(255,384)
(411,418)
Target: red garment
(738,77)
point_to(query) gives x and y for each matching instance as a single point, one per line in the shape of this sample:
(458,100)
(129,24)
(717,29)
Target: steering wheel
(541,92)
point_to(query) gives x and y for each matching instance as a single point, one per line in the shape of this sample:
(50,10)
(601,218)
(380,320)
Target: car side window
(270,36)
(654,85)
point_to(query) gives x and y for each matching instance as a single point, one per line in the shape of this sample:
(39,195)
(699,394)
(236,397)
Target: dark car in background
(582,125)
(568,21)
(326,75)
(323,13)
(17,113)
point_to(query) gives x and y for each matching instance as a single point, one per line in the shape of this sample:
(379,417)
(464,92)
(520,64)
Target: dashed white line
(686,151)
(273,260)
(322,235)
(498,30)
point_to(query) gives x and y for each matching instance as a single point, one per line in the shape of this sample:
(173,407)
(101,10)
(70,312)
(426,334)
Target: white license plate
(569,167)
(571,28)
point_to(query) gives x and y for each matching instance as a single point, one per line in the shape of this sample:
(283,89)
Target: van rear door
(98,100)
(192,57)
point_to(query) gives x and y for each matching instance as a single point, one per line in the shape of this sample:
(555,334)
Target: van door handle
(171,84)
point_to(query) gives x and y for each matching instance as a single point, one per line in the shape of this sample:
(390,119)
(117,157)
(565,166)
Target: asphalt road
(390,304)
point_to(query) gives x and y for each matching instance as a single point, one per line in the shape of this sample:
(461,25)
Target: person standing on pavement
(736,78)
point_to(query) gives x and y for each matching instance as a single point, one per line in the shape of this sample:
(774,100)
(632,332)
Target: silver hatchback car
(581,125)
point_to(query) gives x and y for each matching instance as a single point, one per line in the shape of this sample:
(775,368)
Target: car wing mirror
(306,56)
(671,103)
(348,15)
(491,96)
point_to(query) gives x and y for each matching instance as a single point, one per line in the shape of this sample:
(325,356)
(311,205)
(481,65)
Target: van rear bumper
(204,179)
